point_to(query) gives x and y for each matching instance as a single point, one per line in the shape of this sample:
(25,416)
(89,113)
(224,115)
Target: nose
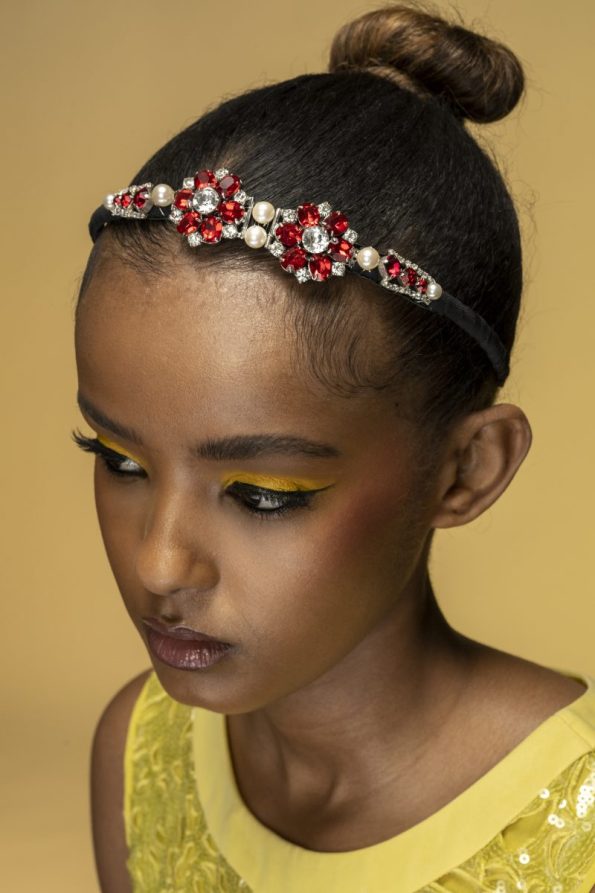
(175,552)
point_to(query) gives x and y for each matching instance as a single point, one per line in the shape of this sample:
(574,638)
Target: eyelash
(112,461)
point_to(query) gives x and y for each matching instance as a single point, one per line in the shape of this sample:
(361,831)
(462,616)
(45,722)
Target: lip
(183,647)
(180,631)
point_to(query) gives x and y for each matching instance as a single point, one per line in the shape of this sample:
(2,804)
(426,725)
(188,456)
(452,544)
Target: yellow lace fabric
(548,848)
(170,848)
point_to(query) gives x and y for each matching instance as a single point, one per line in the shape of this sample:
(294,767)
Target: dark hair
(382,137)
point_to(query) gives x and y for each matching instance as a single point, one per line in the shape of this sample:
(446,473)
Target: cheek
(336,575)
(119,517)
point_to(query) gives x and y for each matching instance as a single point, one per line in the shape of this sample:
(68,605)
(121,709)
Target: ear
(484,452)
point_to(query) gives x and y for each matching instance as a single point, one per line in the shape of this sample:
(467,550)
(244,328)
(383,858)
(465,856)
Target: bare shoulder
(519,693)
(107,788)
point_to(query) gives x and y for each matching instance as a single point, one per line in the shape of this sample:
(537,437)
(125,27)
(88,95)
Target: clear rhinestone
(206,200)
(189,183)
(544,793)
(302,274)
(221,172)
(338,269)
(315,239)
(350,235)
(277,249)
(325,209)
(240,196)
(230,231)
(524,858)
(176,214)
(290,216)
(194,239)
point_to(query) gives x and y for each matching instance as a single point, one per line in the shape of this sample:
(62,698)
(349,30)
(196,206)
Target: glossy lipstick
(182,647)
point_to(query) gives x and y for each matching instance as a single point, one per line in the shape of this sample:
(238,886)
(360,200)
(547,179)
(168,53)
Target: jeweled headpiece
(312,241)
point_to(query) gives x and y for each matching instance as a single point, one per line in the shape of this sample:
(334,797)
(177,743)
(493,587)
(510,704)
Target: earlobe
(485,453)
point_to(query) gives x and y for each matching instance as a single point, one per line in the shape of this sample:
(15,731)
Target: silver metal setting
(277,248)
(132,210)
(398,286)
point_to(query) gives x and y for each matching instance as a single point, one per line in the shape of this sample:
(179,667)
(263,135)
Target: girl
(285,411)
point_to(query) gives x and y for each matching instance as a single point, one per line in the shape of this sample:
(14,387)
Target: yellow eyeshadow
(117,448)
(275,483)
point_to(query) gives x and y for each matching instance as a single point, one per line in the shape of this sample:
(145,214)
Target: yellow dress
(527,825)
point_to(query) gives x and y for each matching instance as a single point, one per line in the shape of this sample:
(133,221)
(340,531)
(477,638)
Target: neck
(375,708)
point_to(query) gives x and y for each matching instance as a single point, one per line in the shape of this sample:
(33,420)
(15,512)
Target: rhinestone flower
(210,206)
(311,241)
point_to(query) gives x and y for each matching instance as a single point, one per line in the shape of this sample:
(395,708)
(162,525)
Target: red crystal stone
(393,266)
(341,250)
(211,229)
(230,211)
(182,198)
(140,199)
(422,285)
(204,178)
(189,223)
(126,200)
(409,277)
(289,234)
(308,214)
(294,258)
(320,266)
(118,201)
(337,222)
(229,185)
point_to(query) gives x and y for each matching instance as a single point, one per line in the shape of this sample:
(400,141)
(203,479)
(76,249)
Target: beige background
(91,90)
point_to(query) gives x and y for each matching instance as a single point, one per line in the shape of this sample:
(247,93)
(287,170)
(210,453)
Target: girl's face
(188,379)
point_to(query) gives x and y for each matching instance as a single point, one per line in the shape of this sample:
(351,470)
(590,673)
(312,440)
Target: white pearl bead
(368,258)
(433,291)
(255,236)
(108,201)
(162,195)
(263,212)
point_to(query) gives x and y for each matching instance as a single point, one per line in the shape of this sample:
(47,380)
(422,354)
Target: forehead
(206,350)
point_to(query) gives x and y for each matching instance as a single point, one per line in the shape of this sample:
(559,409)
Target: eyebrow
(238,446)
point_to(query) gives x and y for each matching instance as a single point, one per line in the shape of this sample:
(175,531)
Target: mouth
(183,647)
(179,631)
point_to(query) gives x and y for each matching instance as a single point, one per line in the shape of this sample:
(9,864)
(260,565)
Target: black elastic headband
(313,242)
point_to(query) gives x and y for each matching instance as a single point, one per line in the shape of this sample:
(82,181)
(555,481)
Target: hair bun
(479,78)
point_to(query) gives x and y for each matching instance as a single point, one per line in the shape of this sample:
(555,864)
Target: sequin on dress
(527,825)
